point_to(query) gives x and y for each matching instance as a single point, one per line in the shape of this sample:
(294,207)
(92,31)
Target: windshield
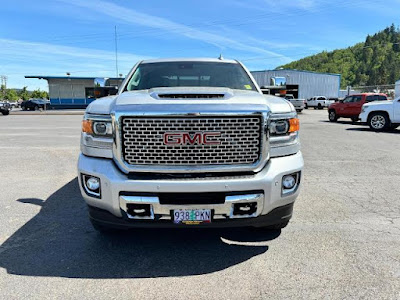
(190,74)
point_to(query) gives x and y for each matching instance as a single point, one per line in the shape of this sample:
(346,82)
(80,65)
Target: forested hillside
(374,62)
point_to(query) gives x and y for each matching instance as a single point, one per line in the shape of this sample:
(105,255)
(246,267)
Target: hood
(379,103)
(101,106)
(180,99)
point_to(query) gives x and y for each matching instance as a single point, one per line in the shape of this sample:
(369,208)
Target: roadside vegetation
(24,94)
(373,62)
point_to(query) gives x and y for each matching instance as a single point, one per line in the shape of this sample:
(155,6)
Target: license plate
(192,216)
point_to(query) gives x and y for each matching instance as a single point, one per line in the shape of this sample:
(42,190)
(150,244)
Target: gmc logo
(185,138)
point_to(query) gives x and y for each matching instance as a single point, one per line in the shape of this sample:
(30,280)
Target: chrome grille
(143,140)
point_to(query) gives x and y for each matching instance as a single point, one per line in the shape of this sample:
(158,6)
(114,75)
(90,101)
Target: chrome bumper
(221,211)
(114,183)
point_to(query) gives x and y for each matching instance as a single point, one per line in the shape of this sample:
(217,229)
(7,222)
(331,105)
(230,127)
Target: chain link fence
(388,89)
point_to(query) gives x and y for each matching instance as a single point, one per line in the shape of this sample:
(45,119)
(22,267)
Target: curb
(47,113)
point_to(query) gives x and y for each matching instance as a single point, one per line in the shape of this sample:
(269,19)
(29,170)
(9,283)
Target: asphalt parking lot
(342,243)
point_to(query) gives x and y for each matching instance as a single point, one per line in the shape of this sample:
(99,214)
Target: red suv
(351,106)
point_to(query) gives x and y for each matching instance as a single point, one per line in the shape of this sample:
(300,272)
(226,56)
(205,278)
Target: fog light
(288,182)
(93,183)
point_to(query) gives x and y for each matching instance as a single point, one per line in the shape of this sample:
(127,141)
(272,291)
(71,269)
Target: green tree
(376,61)
(11,95)
(24,94)
(40,94)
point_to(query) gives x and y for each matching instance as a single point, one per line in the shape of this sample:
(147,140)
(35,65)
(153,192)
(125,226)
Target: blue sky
(77,36)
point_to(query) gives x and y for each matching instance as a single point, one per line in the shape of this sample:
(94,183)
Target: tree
(39,94)
(11,95)
(376,61)
(24,94)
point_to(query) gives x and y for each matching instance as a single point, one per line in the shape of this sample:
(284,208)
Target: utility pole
(116,51)
(4,84)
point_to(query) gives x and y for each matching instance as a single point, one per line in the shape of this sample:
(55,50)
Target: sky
(80,36)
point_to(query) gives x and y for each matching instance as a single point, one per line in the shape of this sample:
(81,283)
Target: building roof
(294,70)
(71,77)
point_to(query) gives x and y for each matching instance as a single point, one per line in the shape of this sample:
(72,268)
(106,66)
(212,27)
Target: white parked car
(318,102)
(381,115)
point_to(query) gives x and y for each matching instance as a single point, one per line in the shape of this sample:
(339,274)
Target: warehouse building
(301,84)
(76,92)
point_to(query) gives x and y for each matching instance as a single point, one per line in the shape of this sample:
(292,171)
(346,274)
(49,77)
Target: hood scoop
(190,96)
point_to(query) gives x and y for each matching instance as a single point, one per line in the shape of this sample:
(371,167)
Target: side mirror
(100,82)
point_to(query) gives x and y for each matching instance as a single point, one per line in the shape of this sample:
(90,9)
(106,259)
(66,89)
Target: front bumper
(117,188)
(363,117)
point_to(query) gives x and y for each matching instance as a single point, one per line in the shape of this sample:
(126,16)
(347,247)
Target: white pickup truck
(190,142)
(318,102)
(381,115)
(297,103)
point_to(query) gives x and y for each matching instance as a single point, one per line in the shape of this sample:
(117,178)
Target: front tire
(378,121)
(5,112)
(320,106)
(333,116)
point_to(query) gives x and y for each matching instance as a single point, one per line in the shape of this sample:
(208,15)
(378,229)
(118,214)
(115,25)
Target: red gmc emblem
(185,138)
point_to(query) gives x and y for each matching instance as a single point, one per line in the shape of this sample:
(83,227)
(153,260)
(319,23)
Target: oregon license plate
(192,216)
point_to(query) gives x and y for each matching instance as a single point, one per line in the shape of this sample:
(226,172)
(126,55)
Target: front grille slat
(143,143)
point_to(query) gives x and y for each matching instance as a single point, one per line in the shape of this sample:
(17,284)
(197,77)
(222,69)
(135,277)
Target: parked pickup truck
(297,103)
(350,107)
(5,107)
(190,142)
(317,102)
(381,115)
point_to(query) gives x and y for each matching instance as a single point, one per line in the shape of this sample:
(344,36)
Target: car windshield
(190,74)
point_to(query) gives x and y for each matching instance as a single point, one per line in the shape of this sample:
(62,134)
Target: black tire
(37,107)
(5,112)
(378,121)
(320,106)
(332,116)
(354,119)
(299,110)
(306,106)
(315,108)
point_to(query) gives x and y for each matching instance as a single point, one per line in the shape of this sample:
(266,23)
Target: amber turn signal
(87,126)
(294,125)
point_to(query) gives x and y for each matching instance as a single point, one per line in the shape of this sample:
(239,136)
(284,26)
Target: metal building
(73,92)
(302,84)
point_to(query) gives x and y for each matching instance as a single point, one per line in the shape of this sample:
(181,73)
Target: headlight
(284,126)
(97,133)
(284,134)
(96,126)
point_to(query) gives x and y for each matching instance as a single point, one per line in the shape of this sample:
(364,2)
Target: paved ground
(343,242)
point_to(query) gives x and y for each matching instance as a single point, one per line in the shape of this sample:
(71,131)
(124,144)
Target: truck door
(344,107)
(354,108)
(396,113)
